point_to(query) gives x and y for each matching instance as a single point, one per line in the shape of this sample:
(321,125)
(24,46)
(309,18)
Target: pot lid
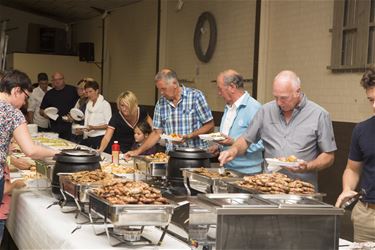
(192,150)
(79,152)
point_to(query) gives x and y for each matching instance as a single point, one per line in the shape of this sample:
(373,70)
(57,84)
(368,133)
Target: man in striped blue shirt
(180,110)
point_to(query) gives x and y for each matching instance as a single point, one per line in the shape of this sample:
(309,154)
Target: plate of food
(212,137)
(77,114)
(289,161)
(171,137)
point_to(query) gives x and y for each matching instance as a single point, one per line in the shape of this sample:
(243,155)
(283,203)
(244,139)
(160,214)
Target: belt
(369,205)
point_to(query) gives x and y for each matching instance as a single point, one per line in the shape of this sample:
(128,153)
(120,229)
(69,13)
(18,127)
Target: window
(353,35)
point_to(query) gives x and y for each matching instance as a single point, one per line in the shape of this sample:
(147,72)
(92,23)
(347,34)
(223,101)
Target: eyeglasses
(26,94)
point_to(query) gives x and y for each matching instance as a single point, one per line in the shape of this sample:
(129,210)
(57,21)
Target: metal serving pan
(205,184)
(150,167)
(76,190)
(132,214)
(239,200)
(292,200)
(233,187)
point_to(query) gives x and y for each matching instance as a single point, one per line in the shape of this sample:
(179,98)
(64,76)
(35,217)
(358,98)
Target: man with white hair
(239,110)
(290,125)
(180,110)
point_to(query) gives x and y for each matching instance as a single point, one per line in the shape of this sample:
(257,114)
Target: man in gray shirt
(290,125)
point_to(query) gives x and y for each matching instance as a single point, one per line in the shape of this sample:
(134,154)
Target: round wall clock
(206,26)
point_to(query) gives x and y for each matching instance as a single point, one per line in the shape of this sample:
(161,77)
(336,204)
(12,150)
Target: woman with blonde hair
(122,124)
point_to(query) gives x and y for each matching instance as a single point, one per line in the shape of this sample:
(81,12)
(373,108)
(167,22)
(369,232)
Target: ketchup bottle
(115,153)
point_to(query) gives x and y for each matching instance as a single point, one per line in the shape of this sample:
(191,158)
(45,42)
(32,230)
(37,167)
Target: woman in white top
(97,115)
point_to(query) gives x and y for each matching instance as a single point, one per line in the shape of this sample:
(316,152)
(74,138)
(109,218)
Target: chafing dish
(129,220)
(252,221)
(151,167)
(205,184)
(132,214)
(233,187)
(76,190)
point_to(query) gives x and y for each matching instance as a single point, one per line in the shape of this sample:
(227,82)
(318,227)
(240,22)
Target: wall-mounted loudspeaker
(86,52)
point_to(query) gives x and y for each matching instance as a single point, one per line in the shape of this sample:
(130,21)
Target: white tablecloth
(33,226)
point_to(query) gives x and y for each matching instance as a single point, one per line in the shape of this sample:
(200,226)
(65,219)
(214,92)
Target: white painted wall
(32,64)
(295,35)
(18,25)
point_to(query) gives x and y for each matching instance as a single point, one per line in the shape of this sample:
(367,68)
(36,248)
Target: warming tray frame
(77,191)
(270,208)
(130,215)
(151,214)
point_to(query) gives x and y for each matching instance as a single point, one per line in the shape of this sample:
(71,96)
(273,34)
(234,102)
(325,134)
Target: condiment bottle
(115,153)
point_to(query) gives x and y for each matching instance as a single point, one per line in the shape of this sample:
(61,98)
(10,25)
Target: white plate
(170,138)
(78,126)
(77,114)
(212,137)
(274,161)
(51,112)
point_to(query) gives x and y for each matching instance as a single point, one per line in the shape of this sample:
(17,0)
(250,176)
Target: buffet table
(33,226)
(36,223)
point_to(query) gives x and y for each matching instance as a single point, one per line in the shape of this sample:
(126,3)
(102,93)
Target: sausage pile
(276,183)
(130,192)
(212,174)
(84,177)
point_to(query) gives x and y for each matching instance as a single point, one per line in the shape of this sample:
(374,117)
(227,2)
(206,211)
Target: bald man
(63,97)
(290,125)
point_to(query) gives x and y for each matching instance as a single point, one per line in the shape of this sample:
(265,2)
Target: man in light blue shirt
(238,113)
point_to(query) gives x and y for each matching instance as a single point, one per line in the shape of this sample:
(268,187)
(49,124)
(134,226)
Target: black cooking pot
(186,158)
(70,161)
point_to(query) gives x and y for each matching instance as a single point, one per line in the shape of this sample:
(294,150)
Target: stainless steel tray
(76,190)
(132,214)
(150,167)
(233,187)
(291,200)
(239,200)
(207,184)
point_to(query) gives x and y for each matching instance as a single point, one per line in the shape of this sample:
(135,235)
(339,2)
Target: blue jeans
(2,226)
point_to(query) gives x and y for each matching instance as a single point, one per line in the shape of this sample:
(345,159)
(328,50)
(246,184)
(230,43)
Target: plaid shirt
(191,113)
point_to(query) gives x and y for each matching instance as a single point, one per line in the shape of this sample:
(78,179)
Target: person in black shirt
(122,124)
(360,169)
(63,97)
